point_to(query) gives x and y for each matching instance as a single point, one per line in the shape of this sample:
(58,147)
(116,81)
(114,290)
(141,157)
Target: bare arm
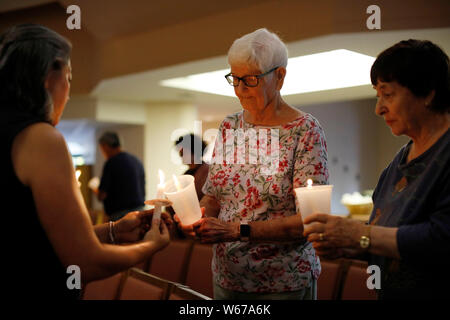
(287,229)
(211,205)
(42,162)
(383,242)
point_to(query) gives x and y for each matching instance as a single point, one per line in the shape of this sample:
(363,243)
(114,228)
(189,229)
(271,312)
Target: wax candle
(159,195)
(177,183)
(313,199)
(181,191)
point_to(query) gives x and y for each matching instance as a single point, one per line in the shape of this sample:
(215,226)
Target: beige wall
(359,144)
(165,123)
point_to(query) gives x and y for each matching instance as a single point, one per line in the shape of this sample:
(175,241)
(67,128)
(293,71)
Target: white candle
(181,191)
(177,183)
(314,199)
(159,195)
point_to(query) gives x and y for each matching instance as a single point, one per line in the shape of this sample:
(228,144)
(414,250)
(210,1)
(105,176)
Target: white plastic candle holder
(184,200)
(314,199)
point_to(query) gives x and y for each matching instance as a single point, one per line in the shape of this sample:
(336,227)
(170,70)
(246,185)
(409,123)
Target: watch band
(244,231)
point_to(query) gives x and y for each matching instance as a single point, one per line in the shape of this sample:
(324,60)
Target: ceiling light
(316,72)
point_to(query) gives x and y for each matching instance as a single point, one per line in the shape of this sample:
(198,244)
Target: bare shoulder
(38,146)
(36,136)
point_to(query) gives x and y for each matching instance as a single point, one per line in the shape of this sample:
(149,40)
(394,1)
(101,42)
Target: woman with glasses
(249,207)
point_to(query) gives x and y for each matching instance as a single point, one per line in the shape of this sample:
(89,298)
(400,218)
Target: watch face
(245,230)
(364,242)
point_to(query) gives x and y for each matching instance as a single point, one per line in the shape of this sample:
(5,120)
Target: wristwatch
(364,241)
(244,231)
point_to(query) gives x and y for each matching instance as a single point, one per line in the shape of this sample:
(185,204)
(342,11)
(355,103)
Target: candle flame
(177,183)
(309,182)
(161,177)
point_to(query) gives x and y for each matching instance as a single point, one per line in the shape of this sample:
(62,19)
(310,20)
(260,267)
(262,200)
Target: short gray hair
(261,48)
(110,138)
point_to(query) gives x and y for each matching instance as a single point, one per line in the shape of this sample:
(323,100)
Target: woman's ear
(280,74)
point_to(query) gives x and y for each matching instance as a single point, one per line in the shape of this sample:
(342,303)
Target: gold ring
(321,236)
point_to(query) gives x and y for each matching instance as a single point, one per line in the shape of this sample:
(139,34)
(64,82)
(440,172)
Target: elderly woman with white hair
(249,209)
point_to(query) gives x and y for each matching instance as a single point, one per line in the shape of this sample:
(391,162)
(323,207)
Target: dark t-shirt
(415,197)
(30,267)
(200,174)
(123,180)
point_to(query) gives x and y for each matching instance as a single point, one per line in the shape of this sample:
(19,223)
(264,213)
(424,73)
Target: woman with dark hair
(408,235)
(40,191)
(187,148)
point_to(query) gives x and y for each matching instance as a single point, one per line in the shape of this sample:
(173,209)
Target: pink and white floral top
(246,191)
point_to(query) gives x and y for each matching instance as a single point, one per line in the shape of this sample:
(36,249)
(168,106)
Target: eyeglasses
(249,81)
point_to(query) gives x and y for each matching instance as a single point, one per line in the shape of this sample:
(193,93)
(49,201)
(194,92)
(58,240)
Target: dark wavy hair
(188,143)
(28,52)
(419,65)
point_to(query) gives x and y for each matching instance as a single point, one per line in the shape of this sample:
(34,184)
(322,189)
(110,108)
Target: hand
(340,236)
(134,225)
(158,234)
(128,228)
(213,230)
(188,230)
(147,218)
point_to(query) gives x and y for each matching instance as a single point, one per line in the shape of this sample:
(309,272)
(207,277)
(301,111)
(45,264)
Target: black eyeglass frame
(258,76)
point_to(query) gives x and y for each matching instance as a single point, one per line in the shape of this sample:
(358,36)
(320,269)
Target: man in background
(122,185)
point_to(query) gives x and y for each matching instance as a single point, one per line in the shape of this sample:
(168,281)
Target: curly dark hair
(28,52)
(419,65)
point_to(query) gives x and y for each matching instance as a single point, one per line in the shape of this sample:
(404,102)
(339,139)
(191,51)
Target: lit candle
(313,199)
(159,195)
(181,192)
(177,183)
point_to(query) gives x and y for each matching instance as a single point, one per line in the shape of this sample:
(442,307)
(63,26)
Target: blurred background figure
(122,185)
(186,146)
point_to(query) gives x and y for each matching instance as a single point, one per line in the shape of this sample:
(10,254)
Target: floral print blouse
(263,190)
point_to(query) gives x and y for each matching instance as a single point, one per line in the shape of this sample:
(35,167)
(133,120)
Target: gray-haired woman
(259,250)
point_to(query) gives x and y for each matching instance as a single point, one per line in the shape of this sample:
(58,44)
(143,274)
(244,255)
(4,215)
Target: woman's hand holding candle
(188,229)
(330,233)
(158,234)
(133,226)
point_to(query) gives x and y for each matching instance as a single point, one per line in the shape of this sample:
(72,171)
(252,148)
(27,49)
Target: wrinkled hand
(188,229)
(158,234)
(340,236)
(213,230)
(135,224)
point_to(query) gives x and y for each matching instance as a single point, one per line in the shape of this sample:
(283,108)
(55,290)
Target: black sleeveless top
(32,269)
